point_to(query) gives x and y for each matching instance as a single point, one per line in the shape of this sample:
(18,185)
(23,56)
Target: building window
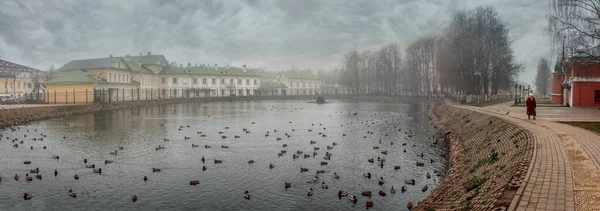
(230,81)
(597,96)
(222,81)
(239,81)
(214,81)
(195,81)
(29,85)
(109,76)
(19,85)
(164,80)
(248,81)
(297,84)
(204,81)
(255,81)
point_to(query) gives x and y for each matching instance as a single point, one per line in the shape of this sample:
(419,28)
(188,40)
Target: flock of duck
(379,161)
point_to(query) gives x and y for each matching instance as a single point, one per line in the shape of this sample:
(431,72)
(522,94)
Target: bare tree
(575,26)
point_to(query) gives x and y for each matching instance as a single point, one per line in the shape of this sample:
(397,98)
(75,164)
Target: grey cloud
(274,34)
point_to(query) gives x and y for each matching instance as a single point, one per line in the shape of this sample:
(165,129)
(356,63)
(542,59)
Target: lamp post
(515,94)
(480,79)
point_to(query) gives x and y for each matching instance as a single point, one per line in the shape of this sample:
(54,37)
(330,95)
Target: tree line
(471,56)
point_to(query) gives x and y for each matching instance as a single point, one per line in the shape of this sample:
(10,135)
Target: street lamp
(479,85)
(515,94)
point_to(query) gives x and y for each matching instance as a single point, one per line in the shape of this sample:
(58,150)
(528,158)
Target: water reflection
(140,130)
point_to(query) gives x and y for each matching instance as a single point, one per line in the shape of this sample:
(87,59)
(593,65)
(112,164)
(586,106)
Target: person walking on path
(531,105)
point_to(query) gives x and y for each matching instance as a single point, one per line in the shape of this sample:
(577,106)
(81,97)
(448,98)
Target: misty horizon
(280,35)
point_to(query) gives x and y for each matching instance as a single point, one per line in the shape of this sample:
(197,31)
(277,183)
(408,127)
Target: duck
(380,181)
(203,168)
(369,204)
(392,190)
(247,195)
(287,185)
(114,153)
(27,196)
(323,163)
(409,205)
(420,163)
(271,166)
(336,176)
(310,192)
(324,186)
(315,179)
(107,162)
(202,159)
(428,175)
(367,174)
(38,176)
(90,166)
(218,161)
(250,161)
(424,188)
(28,178)
(342,193)
(121,148)
(16,177)
(134,198)
(224,147)
(36,170)
(27,162)
(55,172)
(72,194)
(194,145)
(76,177)
(370,160)
(145,178)
(352,198)
(194,182)
(403,189)
(410,181)
(99,170)
(382,193)
(155,169)
(366,193)
(396,167)
(303,169)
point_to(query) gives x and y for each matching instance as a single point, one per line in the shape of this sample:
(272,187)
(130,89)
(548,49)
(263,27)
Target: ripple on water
(140,130)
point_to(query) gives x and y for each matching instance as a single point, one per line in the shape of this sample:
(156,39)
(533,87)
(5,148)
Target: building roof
(148,59)
(194,70)
(135,66)
(236,71)
(297,74)
(271,85)
(265,74)
(72,77)
(9,69)
(89,63)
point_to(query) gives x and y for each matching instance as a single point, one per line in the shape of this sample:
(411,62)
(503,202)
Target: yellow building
(72,87)
(17,80)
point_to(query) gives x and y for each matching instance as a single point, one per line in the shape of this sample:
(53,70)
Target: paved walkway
(565,170)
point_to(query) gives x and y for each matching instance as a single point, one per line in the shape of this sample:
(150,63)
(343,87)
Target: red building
(576,82)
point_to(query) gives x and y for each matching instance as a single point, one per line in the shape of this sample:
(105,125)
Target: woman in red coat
(530,106)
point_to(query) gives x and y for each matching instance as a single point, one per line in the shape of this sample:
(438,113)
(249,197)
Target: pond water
(139,131)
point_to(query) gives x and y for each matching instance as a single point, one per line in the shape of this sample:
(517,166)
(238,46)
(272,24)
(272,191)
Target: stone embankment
(489,159)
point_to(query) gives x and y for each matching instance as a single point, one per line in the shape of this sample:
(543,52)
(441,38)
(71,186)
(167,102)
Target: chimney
(140,53)
(227,66)
(244,68)
(149,53)
(216,66)
(111,56)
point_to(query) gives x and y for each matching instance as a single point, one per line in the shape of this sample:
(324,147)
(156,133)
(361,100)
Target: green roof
(265,74)
(191,70)
(305,74)
(135,67)
(148,59)
(235,71)
(72,77)
(271,85)
(89,63)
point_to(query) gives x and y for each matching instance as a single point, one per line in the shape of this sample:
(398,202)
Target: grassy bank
(593,126)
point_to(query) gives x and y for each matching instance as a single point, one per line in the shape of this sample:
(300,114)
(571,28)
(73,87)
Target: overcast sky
(270,34)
